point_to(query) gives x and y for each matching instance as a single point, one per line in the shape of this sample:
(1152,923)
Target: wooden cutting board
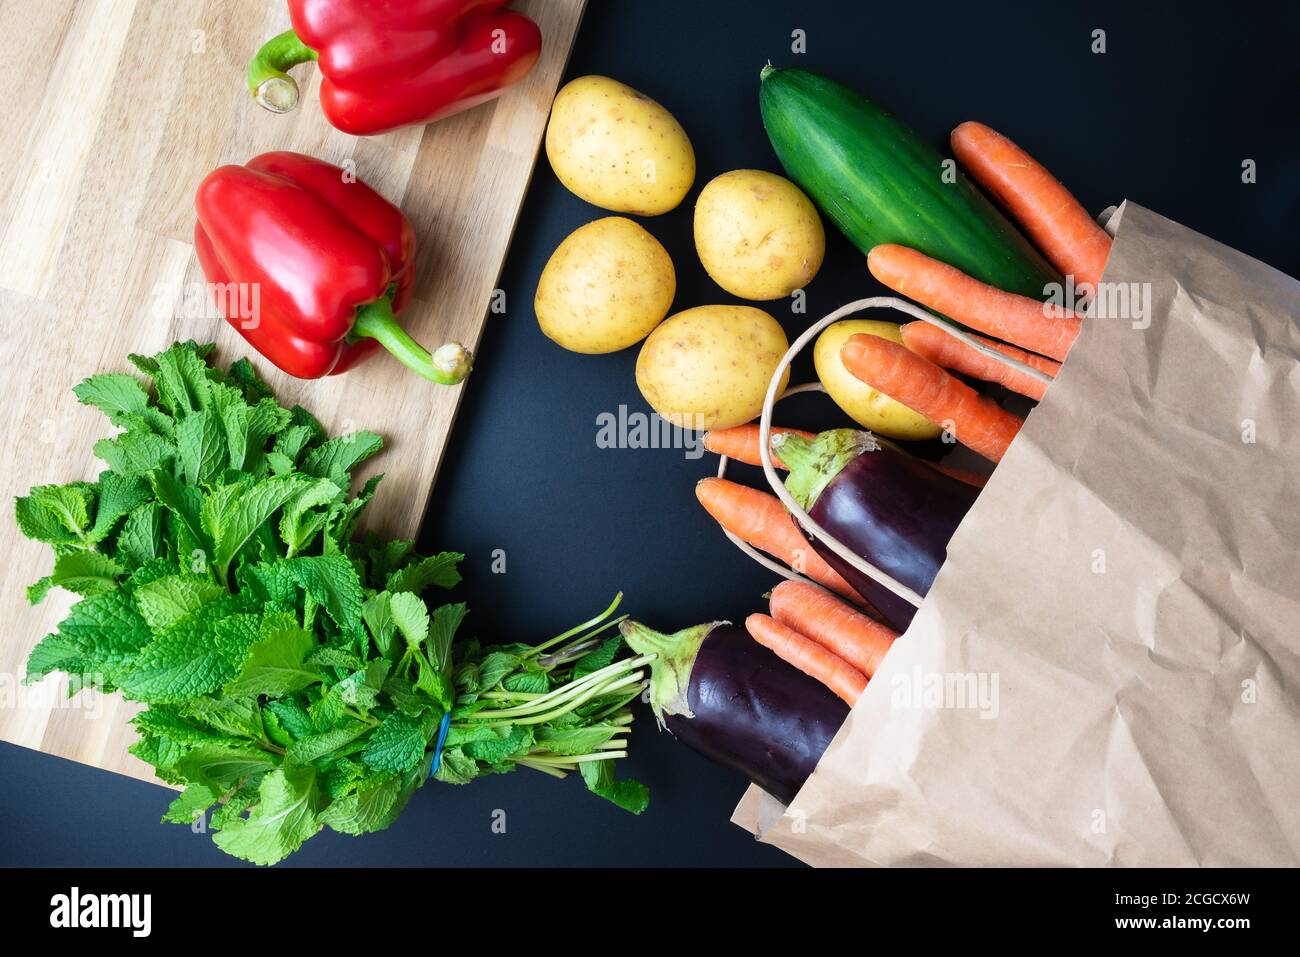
(113,111)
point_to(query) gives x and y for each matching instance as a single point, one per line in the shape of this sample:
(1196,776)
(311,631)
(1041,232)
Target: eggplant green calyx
(814,463)
(670,671)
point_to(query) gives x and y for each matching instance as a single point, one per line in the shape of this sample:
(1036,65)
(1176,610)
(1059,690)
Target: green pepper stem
(271,86)
(449,364)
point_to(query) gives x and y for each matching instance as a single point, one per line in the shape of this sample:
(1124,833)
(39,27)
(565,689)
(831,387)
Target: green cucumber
(881,183)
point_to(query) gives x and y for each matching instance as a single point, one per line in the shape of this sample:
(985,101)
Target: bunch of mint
(294,678)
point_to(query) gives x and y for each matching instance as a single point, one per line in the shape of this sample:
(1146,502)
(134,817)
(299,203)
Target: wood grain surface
(112,112)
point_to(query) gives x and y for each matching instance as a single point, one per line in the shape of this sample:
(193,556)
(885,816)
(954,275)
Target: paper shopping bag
(1107,669)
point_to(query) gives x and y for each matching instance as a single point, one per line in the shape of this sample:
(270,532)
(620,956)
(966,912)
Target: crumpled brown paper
(1125,592)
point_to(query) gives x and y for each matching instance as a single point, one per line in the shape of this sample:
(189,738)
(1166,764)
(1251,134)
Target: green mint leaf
(113,393)
(224,766)
(100,636)
(291,442)
(579,740)
(397,745)
(181,379)
(299,524)
(437,570)
(284,816)
(501,745)
(495,666)
(456,767)
(146,364)
(343,775)
(401,695)
(361,688)
(369,808)
(291,718)
(411,617)
(377,613)
(54,652)
(119,495)
(164,754)
(243,374)
(191,804)
(527,682)
(276,663)
(191,658)
(234,636)
(327,712)
(300,416)
(165,601)
(186,503)
(446,619)
(331,657)
(269,583)
(135,452)
(336,458)
(140,539)
(332,581)
(85,573)
(240,719)
(343,518)
(383,558)
(201,447)
(234,806)
(629,795)
(233,517)
(248,427)
(279,464)
(38,589)
(169,722)
(435,682)
(320,745)
(55,514)
(123,399)
(151,571)
(599,658)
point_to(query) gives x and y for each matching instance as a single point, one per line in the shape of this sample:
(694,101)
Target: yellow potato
(617,148)
(758,235)
(864,405)
(709,367)
(605,287)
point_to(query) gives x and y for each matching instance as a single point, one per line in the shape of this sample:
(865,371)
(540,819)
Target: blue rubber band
(443,728)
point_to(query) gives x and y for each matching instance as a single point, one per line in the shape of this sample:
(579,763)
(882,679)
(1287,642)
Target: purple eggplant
(737,703)
(895,511)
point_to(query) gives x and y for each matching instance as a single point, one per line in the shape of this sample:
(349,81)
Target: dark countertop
(1165,117)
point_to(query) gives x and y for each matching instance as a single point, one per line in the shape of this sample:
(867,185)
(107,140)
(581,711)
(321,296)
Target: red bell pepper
(329,260)
(391,63)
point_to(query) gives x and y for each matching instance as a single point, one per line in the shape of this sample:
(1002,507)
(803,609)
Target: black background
(1183,94)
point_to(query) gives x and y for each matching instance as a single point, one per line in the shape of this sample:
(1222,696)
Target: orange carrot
(943,350)
(978,479)
(808,656)
(741,443)
(1037,326)
(1055,221)
(976,422)
(835,626)
(759,519)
